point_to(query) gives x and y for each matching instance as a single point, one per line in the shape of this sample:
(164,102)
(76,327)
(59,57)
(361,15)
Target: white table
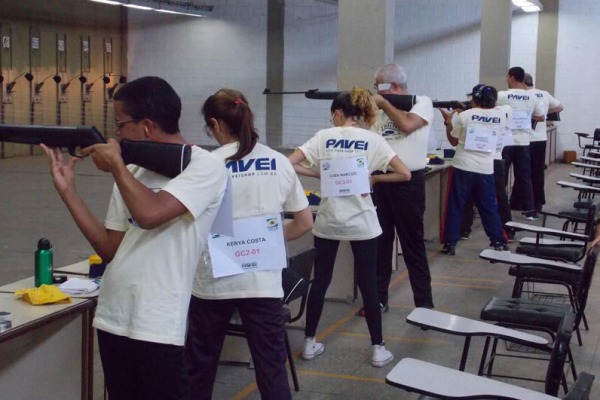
(49,351)
(461,326)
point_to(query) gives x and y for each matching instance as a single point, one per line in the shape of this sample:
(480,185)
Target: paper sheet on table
(79,286)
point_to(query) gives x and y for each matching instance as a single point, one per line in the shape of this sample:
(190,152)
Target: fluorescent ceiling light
(529,5)
(111,2)
(181,7)
(138,7)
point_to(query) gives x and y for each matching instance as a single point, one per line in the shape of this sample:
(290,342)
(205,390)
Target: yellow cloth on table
(45,294)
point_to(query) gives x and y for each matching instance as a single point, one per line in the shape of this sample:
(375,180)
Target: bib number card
(257,246)
(521,119)
(480,138)
(344,177)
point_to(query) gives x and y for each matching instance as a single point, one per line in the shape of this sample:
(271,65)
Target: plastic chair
(445,383)
(529,314)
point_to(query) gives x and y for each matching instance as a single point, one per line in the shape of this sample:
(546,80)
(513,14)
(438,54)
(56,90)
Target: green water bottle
(44,271)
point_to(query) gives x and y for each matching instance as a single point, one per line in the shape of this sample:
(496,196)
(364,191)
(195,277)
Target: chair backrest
(585,282)
(558,357)
(296,279)
(581,388)
(590,223)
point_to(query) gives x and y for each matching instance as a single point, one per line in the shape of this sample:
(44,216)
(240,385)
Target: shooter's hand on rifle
(63,174)
(106,156)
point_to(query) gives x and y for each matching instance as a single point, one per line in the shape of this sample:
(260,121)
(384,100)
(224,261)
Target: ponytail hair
(356,103)
(231,107)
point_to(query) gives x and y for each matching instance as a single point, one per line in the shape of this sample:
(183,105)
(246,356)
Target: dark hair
(518,73)
(153,98)
(356,103)
(231,107)
(485,96)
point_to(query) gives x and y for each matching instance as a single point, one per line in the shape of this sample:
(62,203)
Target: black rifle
(400,101)
(167,159)
(555,116)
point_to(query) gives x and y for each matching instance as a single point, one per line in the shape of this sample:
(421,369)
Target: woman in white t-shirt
(244,272)
(477,134)
(353,153)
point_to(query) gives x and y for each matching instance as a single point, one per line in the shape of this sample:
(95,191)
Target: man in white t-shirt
(526,108)
(401,205)
(537,148)
(152,236)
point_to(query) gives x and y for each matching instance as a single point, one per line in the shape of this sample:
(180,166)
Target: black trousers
(135,369)
(522,194)
(400,209)
(263,323)
(538,166)
(364,263)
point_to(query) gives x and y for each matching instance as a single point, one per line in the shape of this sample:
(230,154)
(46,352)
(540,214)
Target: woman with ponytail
(348,217)
(263,184)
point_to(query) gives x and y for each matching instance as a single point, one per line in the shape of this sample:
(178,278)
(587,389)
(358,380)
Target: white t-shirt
(347,217)
(410,148)
(146,288)
(548,102)
(521,100)
(266,184)
(492,119)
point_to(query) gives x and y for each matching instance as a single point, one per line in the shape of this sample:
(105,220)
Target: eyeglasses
(382,86)
(120,124)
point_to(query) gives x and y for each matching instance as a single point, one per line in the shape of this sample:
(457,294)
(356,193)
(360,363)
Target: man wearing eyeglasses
(401,205)
(151,237)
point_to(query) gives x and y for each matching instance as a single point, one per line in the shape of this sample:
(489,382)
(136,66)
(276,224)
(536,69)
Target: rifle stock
(167,159)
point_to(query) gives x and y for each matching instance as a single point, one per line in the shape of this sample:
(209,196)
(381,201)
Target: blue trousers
(480,188)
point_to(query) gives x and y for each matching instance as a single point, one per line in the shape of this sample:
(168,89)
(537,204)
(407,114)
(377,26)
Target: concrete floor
(461,285)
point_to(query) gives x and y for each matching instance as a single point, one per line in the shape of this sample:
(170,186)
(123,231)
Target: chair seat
(575,214)
(541,273)
(552,242)
(552,252)
(524,312)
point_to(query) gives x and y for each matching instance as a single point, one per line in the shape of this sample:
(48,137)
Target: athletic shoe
(465,236)
(361,312)
(449,249)
(312,348)
(381,356)
(501,247)
(532,216)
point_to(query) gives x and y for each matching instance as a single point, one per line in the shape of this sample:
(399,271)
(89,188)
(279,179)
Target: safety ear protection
(479,94)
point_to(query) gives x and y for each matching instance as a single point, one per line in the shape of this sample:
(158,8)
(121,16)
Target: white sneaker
(381,356)
(312,348)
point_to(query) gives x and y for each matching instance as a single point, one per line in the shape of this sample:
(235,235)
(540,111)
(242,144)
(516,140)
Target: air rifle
(400,101)
(168,159)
